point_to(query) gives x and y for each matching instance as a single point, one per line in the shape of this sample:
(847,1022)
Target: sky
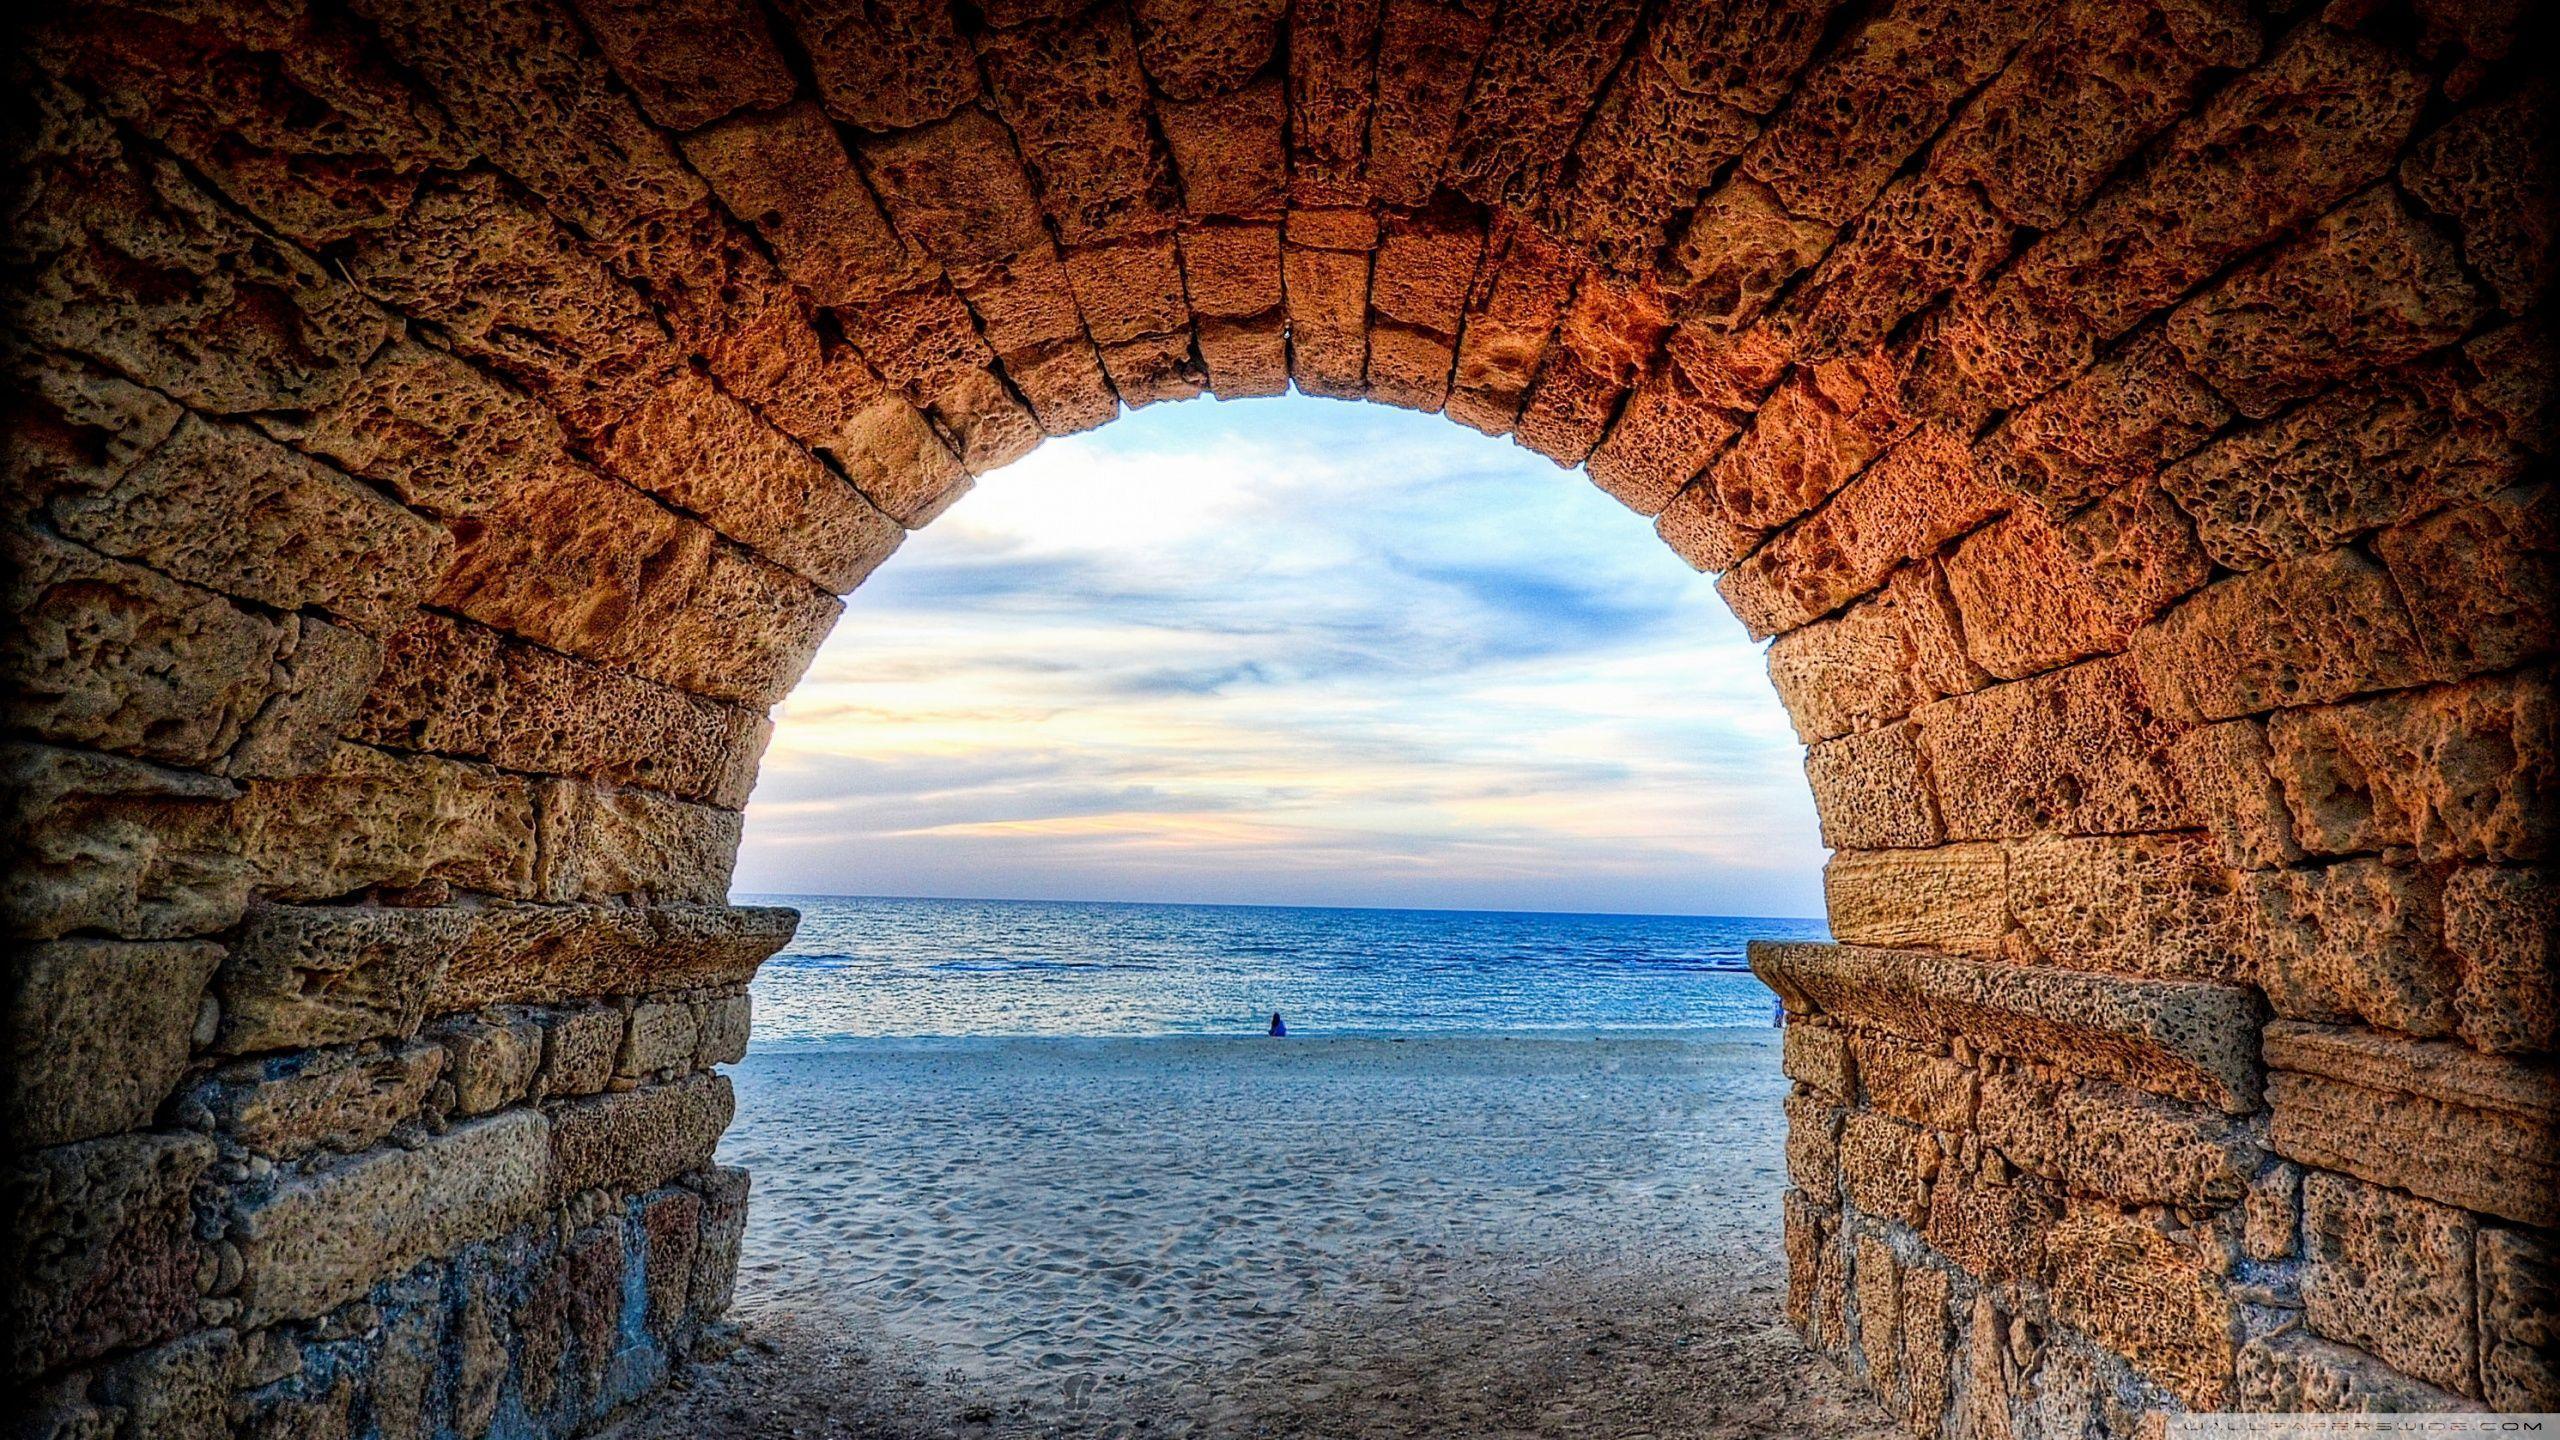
(1297,652)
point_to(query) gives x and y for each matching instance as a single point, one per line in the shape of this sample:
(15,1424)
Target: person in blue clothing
(1278,1025)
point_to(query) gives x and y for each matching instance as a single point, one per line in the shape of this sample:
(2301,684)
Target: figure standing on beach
(1278,1025)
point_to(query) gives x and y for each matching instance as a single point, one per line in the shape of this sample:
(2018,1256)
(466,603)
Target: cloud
(1297,652)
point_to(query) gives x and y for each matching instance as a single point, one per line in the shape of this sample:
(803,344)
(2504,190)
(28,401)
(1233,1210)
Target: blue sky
(1289,651)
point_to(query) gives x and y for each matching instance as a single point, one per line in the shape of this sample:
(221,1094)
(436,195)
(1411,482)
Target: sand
(1306,1237)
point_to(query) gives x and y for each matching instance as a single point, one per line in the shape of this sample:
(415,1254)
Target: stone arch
(441,431)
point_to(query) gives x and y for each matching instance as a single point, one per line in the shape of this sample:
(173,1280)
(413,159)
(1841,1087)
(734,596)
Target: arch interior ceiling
(441,431)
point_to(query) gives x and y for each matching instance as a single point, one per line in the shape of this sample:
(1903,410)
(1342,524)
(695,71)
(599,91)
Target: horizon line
(1273,905)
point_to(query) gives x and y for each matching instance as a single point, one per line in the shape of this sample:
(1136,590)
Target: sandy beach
(1319,1236)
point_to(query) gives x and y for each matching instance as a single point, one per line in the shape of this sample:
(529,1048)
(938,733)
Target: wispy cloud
(1289,651)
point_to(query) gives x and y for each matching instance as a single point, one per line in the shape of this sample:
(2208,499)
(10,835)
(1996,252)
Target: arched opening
(442,432)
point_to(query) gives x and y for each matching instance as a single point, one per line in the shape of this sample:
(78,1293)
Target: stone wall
(439,433)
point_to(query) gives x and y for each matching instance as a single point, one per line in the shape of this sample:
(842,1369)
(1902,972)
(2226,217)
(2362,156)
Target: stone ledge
(2184,1039)
(2428,1117)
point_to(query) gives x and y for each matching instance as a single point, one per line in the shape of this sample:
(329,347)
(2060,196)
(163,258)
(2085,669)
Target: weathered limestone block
(181,1389)
(1953,897)
(231,321)
(691,62)
(2146,1298)
(2426,1116)
(2287,139)
(323,975)
(1887,86)
(2102,757)
(345,1100)
(1667,432)
(2392,1276)
(2485,169)
(724,1222)
(1993,1225)
(1227,149)
(2369,284)
(1694,524)
(2296,1371)
(1909,1083)
(1815,432)
(2139,548)
(2083,96)
(1813,1144)
(1920,599)
(438,433)
(101,1252)
(328,1233)
(2103,1140)
(2182,1039)
(579,1047)
(1232,270)
(706,454)
(492,1058)
(111,655)
(1920,495)
(1737,252)
(2359,940)
(639,1138)
(1924,236)
(1426,56)
(740,629)
(660,1041)
(957,190)
(1408,367)
(1995,346)
(2480,581)
(73,428)
(1342,227)
(1520,293)
(2498,928)
(604,845)
(1245,357)
(1873,791)
(1644,155)
(1073,91)
(2228,771)
(521,86)
(1328,300)
(2373,452)
(375,818)
(1154,368)
(1194,48)
(1880,1167)
(1879,1295)
(103,843)
(225,508)
(2301,632)
(1928,1341)
(560,954)
(884,66)
(97,1033)
(1818,1055)
(1602,342)
(722,1024)
(2159,905)
(2030,601)
(2519,1320)
(2271,1213)
(1537,78)
(2457,772)
(1852,672)
(2120,421)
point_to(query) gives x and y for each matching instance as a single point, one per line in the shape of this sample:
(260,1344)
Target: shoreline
(1336,1235)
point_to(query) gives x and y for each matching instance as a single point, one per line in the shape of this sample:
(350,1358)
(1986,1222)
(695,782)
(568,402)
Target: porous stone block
(1854,671)
(2392,1276)
(2297,1372)
(564,954)
(1245,357)
(1537,77)
(1819,1056)
(1909,1083)
(1328,300)
(1664,435)
(338,1099)
(2426,1116)
(1812,435)
(1925,235)
(1232,270)
(723,1023)
(2455,771)
(1880,1168)
(1072,90)
(715,1258)
(102,842)
(2486,170)
(2030,601)
(1644,156)
(320,975)
(659,1041)
(785,172)
(1694,524)
(2271,1213)
(1425,267)
(638,1138)
(1813,1144)
(2146,1298)
(691,62)
(2102,757)
(2227,770)
(884,66)
(101,1252)
(1952,897)
(2160,905)
(372,817)
(2519,1280)
(327,1234)
(1872,791)
(2182,1039)
(1227,149)
(97,1034)
(1426,56)
(1993,1227)
(2139,548)
(2359,940)
(2094,1138)
(1928,1340)
(2480,581)
(2120,421)
(1154,368)
(608,845)
(579,1048)
(2498,929)
(491,1059)
(1409,367)
(2300,632)
(2368,284)
(1737,252)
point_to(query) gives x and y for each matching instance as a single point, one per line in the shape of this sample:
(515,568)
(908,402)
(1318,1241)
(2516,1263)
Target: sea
(864,968)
